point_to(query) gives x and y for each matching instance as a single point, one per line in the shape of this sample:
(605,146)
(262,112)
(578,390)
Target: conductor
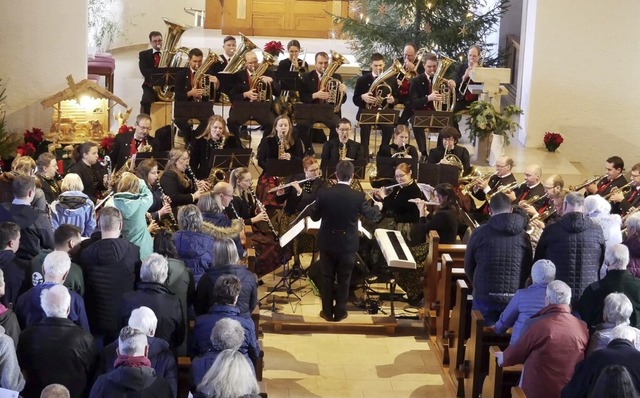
(339,208)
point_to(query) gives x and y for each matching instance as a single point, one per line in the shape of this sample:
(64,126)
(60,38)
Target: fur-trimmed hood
(222,232)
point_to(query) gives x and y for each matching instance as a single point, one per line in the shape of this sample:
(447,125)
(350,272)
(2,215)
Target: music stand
(375,118)
(432,121)
(164,77)
(283,168)
(161,157)
(307,114)
(359,167)
(436,173)
(247,110)
(288,80)
(386,166)
(229,159)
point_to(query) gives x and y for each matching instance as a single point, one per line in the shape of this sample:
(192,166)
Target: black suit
(523,192)
(404,96)
(240,86)
(146,64)
(121,148)
(331,151)
(183,86)
(339,208)
(463,101)
(215,69)
(605,186)
(631,199)
(493,184)
(362,86)
(419,90)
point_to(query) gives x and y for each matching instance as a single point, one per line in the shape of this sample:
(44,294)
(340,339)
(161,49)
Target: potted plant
(485,120)
(552,141)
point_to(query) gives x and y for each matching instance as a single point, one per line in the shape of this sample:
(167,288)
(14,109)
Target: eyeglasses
(226,194)
(501,165)
(400,175)
(344,130)
(313,170)
(635,175)
(143,128)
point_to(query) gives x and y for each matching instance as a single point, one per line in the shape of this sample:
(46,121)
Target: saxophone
(263,89)
(332,85)
(343,151)
(281,150)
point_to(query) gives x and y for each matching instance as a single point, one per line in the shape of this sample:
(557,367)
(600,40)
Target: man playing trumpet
(621,202)
(531,188)
(614,167)
(483,187)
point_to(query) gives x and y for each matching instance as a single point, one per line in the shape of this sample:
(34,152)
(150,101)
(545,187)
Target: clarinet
(264,210)
(189,173)
(235,212)
(174,222)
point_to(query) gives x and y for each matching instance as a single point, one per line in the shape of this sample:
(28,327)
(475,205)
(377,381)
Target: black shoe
(325,317)
(339,317)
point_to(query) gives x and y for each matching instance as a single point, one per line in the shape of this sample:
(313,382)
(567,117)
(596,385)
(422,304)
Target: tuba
(170,55)
(201,79)
(448,95)
(332,85)
(380,89)
(263,89)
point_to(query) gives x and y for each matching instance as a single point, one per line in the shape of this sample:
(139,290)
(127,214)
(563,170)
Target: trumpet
(534,199)
(504,189)
(546,214)
(279,187)
(632,211)
(586,183)
(467,188)
(623,189)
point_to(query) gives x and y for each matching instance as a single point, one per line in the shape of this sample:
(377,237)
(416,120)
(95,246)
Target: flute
(279,187)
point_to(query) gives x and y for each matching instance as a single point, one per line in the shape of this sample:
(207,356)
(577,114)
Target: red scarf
(132,362)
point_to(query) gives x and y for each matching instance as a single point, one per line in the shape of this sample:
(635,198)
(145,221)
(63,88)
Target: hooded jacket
(498,258)
(10,375)
(133,208)
(109,266)
(125,381)
(36,232)
(248,299)
(576,245)
(75,208)
(194,248)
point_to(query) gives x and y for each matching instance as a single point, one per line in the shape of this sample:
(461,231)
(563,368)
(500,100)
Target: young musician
(341,147)
(177,184)
(48,175)
(293,63)
(614,178)
(400,147)
(147,170)
(396,203)
(621,202)
(203,149)
(449,136)
(93,179)
(148,60)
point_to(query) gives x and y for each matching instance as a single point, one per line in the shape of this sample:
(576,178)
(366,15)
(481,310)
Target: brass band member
(203,149)
(189,90)
(228,49)
(242,91)
(282,145)
(395,204)
(409,62)
(362,97)
(463,78)
(125,145)
(312,93)
(482,187)
(553,186)
(86,166)
(450,137)
(180,188)
(147,170)
(293,63)
(148,60)
(400,147)
(341,147)
(529,188)
(614,168)
(622,202)
(48,175)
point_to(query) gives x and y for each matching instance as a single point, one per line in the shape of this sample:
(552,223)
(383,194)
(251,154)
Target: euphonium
(170,55)
(380,89)
(263,89)
(448,95)
(201,79)
(332,85)
(586,183)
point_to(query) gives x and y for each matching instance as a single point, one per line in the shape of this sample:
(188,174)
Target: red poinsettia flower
(274,48)
(34,136)
(107,142)
(553,139)
(26,149)
(125,129)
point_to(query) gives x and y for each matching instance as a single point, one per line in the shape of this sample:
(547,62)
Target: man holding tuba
(322,85)
(366,98)
(148,60)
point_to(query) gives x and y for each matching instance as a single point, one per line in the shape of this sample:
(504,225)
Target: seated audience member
(498,258)
(109,266)
(36,232)
(550,348)
(615,381)
(152,292)
(56,268)
(633,243)
(227,290)
(527,302)
(67,239)
(226,262)
(617,310)
(213,205)
(579,266)
(618,279)
(132,374)
(10,376)
(228,334)
(162,359)
(13,273)
(57,350)
(8,319)
(55,391)
(73,206)
(620,351)
(180,280)
(25,166)
(598,209)
(229,376)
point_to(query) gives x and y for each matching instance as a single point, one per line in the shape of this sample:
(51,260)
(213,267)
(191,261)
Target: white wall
(41,45)
(579,76)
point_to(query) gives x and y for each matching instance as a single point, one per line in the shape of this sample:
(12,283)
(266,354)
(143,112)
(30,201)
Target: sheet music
(4,393)
(292,233)
(314,226)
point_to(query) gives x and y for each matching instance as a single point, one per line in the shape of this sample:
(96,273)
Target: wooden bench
(476,357)
(432,272)
(500,380)
(457,334)
(451,272)
(516,392)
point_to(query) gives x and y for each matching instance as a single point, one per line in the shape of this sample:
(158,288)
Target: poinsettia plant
(106,143)
(553,139)
(26,149)
(274,48)
(125,129)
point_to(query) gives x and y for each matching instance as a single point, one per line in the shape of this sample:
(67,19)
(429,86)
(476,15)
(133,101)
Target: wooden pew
(500,380)
(516,392)
(457,334)
(431,275)
(476,357)
(451,272)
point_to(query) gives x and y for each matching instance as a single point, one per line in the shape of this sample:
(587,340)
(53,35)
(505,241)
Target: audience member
(13,274)
(614,382)
(598,209)
(618,279)
(229,377)
(213,205)
(74,206)
(56,350)
(56,268)
(55,391)
(550,348)
(633,243)
(617,311)
(8,319)
(10,376)
(575,244)
(133,198)
(25,166)
(226,262)
(109,266)
(527,302)
(151,292)
(132,374)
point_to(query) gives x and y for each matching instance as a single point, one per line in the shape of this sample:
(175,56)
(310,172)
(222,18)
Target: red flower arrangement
(106,143)
(35,136)
(125,129)
(552,141)
(274,48)
(26,149)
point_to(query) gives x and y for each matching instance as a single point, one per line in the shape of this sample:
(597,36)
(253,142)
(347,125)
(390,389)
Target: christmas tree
(447,27)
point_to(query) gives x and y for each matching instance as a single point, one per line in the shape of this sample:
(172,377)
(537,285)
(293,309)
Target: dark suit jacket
(494,183)
(362,86)
(605,187)
(146,64)
(461,99)
(331,151)
(203,151)
(310,86)
(122,147)
(184,84)
(339,207)
(241,85)
(538,190)
(419,89)
(285,65)
(437,154)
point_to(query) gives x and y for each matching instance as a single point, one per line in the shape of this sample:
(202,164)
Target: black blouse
(397,204)
(444,220)
(175,190)
(268,149)
(92,178)
(203,151)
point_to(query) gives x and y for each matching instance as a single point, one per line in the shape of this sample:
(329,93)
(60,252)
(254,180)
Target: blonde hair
(174,155)
(207,131)
(129,182)
(23,165)
(71,182)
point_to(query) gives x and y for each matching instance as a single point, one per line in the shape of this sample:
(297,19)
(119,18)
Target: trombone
(586,183)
